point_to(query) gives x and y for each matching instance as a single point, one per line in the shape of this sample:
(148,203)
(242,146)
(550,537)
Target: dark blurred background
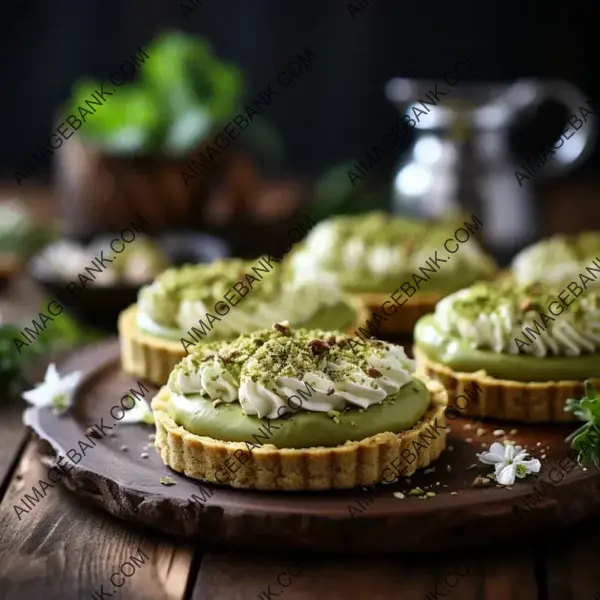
(340,104)
(338,107)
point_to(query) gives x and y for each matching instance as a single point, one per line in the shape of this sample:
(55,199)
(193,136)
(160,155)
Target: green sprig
(586,440)
(62,334)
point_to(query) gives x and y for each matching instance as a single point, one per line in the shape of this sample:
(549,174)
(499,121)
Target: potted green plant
(129,156)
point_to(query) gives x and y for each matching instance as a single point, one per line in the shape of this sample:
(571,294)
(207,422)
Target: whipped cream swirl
(557,261)
(299,300)
(335,386)
(500,323)
(380,247)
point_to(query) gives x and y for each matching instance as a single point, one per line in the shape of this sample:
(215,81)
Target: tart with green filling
(526,348)
(286,409)
(196,304)
(559,259)
(373,255)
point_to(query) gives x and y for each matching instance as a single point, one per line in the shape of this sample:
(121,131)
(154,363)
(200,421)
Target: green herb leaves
(586,440)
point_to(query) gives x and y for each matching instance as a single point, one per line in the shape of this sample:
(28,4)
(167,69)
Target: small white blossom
(509,462)
(140,412)
(55,391)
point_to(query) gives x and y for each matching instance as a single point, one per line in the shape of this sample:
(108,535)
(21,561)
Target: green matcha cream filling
(296,389)
(516,333)
(232,296)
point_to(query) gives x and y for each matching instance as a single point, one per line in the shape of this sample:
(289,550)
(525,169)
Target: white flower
(140,412)
(55,391)
(509,462)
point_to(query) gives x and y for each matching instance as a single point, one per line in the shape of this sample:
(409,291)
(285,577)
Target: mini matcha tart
(196,304)
(559,260)
(372,255)
(511,352)
(285,409)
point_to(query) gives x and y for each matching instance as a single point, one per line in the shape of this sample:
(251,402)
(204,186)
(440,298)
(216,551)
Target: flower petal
(52,377)
(533,465)
(139,413)
(497,448)
(487,458)
(509,452)
(519,453)
(506,475)
(37,396)
(71,381)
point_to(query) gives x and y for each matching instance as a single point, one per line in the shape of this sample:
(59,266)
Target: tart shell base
(152,358)
(480,395)
(405,317)
(267,467)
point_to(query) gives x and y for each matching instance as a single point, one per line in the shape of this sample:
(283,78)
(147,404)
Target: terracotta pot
(102,192)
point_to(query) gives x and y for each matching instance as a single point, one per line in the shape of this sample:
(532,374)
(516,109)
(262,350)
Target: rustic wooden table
(64,549)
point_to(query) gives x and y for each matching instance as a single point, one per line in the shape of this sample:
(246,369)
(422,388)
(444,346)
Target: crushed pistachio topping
(378,228)
(410,240)
(209,283)
(266,355)
(487,298)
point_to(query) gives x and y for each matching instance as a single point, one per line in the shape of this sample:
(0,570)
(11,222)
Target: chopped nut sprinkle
(481,481)
(527,304)
(318,346)
(93,433)
(498,432)
(282,327)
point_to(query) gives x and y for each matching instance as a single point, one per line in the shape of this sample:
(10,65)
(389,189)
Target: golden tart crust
(503,399)
(152,358)
(406,316)
(294,469)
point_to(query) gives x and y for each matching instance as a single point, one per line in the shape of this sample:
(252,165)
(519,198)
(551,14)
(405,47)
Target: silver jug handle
(578,134)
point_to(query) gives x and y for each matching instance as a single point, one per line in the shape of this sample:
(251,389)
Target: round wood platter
(460,515)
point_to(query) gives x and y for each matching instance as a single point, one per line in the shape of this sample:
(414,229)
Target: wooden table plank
(13,437)
(19,300)
(507,573)
(572,565)
(61,549)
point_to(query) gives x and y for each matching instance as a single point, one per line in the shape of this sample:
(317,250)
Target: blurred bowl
(99,305)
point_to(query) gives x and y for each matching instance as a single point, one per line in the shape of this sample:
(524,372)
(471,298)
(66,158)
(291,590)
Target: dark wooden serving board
(128,486)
